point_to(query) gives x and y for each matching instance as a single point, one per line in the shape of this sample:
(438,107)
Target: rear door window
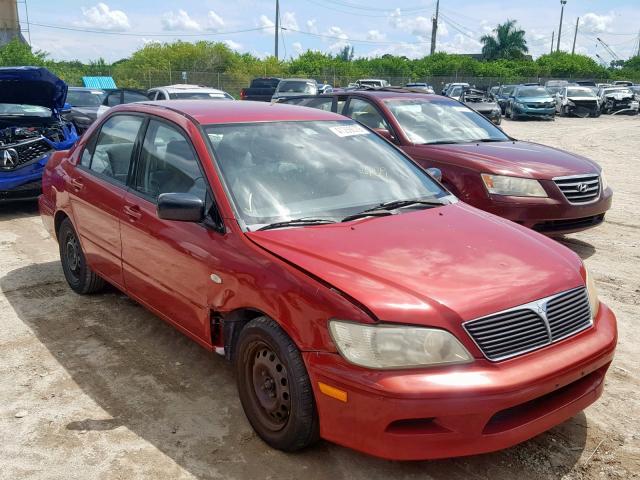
(366,113)
(114,148)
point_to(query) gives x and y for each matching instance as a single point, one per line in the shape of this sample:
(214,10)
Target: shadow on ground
(583,249)
(182,399)
(12,210)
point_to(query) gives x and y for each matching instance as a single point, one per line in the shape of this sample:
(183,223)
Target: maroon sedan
(358,299)
(543,188)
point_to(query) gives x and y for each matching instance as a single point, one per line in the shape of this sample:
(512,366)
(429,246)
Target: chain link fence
(234,82)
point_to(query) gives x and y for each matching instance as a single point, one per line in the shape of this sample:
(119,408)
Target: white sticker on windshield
(349,130)
(460,108)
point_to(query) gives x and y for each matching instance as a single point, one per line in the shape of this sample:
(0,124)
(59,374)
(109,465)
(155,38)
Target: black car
(87,104)
(480,101)
(502,96)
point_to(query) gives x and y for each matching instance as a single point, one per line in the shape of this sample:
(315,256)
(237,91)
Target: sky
(112,29)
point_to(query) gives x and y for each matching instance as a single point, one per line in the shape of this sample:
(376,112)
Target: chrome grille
(579,188)
(531,326)
(25,152)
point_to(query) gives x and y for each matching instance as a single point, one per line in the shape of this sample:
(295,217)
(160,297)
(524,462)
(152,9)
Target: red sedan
(540,187)
(358,299)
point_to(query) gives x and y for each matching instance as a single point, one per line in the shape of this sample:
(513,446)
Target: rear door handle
(133,212)
(77,184)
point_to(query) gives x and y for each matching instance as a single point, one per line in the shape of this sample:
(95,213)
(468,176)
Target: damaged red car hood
(438,267)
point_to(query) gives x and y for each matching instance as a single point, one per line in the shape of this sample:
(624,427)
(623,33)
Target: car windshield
(580,92)
(532,92)
(455,91)
(21,110)
(553,90)
(85,98)
(624,91)
(427,121)
(296,87)
(198,96)
(508,90)
(279,171)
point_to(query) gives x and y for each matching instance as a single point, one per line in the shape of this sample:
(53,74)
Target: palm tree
(507,41)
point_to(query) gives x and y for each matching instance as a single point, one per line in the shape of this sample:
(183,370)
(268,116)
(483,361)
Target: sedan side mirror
(384,133)
(435,173)
(181,207)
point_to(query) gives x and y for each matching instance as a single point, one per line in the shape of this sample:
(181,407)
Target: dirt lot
(98,388)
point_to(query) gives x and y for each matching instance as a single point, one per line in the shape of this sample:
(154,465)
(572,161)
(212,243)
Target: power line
(148,34)
(335,37)
(361,14)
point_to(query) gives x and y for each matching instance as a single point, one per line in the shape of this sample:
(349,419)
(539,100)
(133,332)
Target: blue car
(32,100)
(531,101)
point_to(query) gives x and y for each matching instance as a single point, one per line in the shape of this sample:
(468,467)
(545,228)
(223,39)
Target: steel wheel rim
(268,384)
(73,255)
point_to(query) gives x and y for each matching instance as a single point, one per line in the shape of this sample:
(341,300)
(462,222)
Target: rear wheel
(274,387)
(78,274)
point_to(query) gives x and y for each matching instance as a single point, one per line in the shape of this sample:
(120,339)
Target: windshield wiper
(385,208)
(442,142)
(483,140)
(370,212)
(297,222)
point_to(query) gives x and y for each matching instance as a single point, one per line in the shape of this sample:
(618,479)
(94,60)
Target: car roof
(180,87)
(383,94)
(235,111)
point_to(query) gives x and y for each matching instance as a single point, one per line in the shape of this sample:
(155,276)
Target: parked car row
(571,99)
(343,257)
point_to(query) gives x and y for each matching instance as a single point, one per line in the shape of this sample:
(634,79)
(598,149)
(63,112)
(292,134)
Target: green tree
(16,53)
(346,54)
(507,41)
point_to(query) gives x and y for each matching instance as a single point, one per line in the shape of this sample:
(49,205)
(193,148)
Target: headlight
(496,111)
(390,346)
(514,186)
(603,181)
(594,302)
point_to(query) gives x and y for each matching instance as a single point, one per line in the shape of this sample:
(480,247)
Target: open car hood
(32,86)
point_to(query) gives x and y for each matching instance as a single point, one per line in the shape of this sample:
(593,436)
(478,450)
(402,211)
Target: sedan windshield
(508,90)
(427,121)
(200,96)
(280,171)
(532,92)
(580,92)
(293,86)
(20,110)
(85,98)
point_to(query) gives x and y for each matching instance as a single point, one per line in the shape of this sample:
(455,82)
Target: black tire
(274,387)
(79,275)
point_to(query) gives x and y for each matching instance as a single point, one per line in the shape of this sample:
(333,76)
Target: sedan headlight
(603,181)
(514,186)
(391,346)
(592,293)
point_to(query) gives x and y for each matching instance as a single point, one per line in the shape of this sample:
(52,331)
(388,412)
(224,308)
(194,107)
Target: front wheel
(274,387)
(78,274)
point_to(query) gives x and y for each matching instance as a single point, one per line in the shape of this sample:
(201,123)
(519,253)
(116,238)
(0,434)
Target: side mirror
(66,108)
(384,133)
(435,173)
(181,207)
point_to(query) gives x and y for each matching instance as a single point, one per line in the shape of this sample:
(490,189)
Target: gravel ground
(98,388)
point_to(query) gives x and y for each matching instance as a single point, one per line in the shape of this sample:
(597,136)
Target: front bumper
(22,184)
(464,410)
(525,111)
(552,215)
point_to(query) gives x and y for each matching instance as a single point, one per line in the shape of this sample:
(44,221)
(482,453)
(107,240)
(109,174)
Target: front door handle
(133,212)
(77,184)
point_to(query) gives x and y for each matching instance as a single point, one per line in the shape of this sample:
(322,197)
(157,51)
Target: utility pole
(575,34)
(563,3)
(638,54)
(553,35)
(277,25)
(434,28)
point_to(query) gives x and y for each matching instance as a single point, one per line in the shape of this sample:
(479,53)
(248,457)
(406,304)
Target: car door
(168,264)
(97,187)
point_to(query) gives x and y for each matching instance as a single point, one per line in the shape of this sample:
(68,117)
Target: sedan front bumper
(464,410)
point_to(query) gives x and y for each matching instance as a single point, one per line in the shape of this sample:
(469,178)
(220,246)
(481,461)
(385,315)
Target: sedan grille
(579,188)
(531,326)
(15,156)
